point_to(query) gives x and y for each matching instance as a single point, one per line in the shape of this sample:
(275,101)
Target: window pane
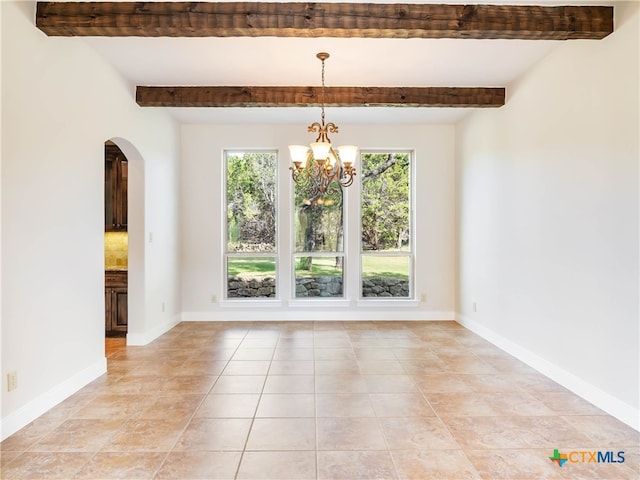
(385,276)
(318,276)
(252,277)
(251,204)
(385,202)
(318,221)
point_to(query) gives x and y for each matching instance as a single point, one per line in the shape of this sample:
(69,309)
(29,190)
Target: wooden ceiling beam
(340,20)
(311,96)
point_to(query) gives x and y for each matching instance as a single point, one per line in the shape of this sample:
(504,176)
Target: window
(318,256)
(386,257)
(250,205)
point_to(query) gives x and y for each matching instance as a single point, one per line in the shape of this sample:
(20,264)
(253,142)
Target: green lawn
(388,267)
(251,267)
(373,266)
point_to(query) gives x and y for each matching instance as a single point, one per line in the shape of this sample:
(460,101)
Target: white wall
(202,269)
(60,102)
(548,218)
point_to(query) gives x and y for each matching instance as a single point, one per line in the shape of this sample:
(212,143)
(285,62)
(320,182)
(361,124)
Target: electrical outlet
(12,381)
(475,307)
(214,299)
(423,297)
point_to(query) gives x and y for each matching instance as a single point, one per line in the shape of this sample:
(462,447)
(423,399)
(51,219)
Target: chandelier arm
(319,174)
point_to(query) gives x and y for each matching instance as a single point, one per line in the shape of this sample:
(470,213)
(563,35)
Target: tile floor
(318,400)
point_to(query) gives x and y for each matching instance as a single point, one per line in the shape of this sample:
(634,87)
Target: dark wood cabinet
(116,172)
(116,320)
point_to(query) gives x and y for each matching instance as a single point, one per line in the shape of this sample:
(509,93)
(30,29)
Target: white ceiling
(354,62)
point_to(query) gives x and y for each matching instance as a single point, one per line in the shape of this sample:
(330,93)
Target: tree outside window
(250,253)
(385,226)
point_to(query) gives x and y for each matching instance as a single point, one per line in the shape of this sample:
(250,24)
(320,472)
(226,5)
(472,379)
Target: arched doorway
(124,224)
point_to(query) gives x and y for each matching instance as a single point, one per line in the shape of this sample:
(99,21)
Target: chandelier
(320,165)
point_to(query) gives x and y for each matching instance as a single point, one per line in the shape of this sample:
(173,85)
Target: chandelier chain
(322,100)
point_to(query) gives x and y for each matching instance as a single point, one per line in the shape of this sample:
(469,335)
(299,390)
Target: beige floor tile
(291,367)
(334,354)
(233,405)
(214,353)
(188,384)
(442,383)
(286,405)
(435,465)
(293,465)
(401,405)
(380,367)
(27,436)
(295,340)
(113,406)
(152,367)
(78,435)
(214,434)
(253,354)
(466,364)
(497,383)
(7,456)
(415,353)
(246,367)
(260,342)
(200,466)
(344,405)
(374,354)
(604,431)
(45,465)
(350,434)
(390,384)
(342,342)
(340,384)
(282,434)
(567,403)
(119,465)
(239,384)
(289,384)
(202,367)
(535,382)
(487,404)
(178,407)
(138,384)
(421,400)
(418,367)
(146,435)
(298,354)
(417,433)
(514,432)
(506,364)
(355,465)
(337,367)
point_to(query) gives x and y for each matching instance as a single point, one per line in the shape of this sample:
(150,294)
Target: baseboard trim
(41,404)
(140,339)
(317,314)
(601,399)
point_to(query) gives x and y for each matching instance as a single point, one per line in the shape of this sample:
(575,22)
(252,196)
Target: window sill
(385,302)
